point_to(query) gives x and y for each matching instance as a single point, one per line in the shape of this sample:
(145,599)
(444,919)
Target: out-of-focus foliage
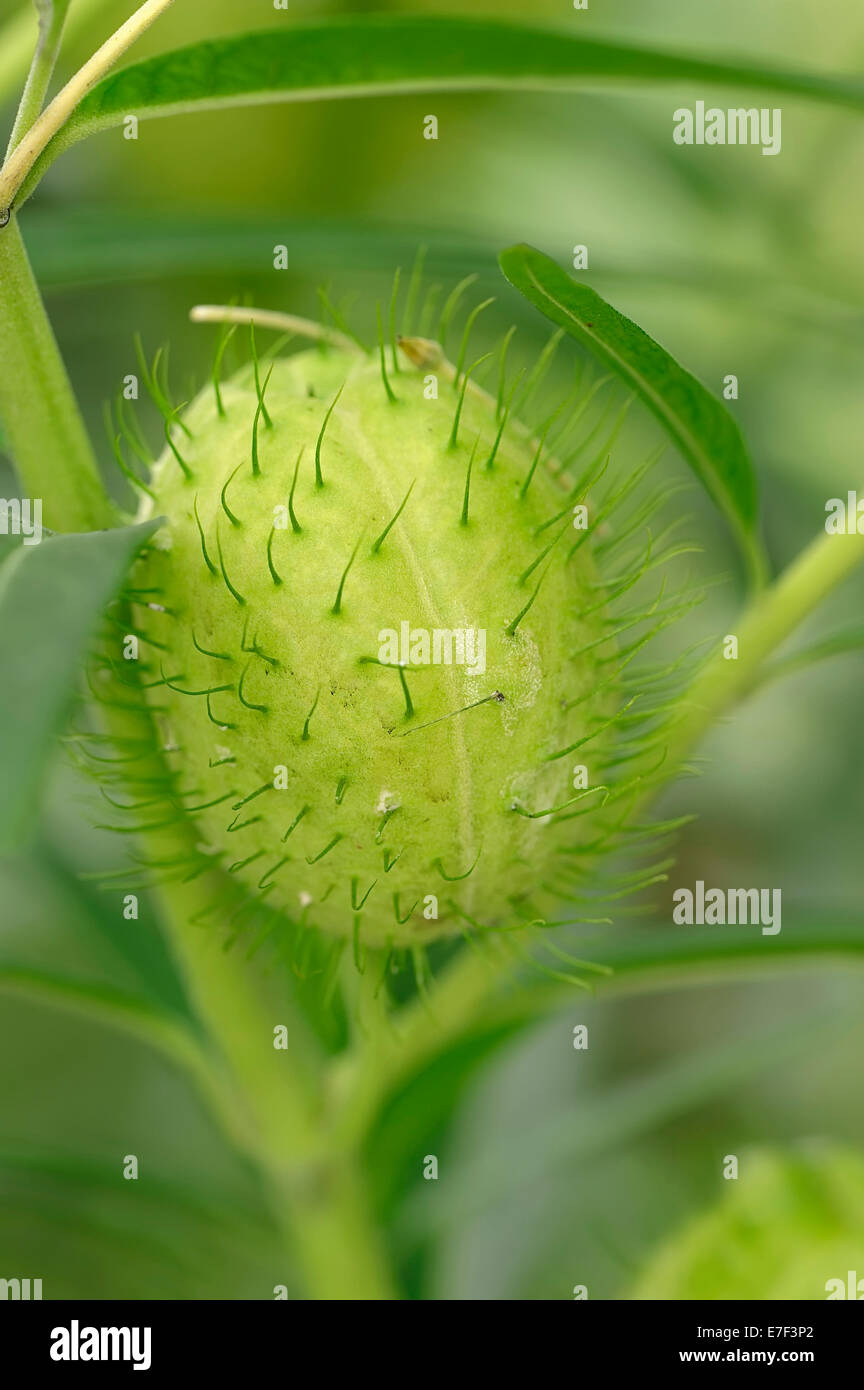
(787,1225)
(59,590)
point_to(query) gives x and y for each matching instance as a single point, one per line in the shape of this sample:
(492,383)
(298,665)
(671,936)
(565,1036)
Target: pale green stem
(771,618)
(46,435)
(272,319)
(18,36)
(237,1016)
(318,1195)
(374,1035)
(364,1076)
(28,149)
(316,1190)
(39,76)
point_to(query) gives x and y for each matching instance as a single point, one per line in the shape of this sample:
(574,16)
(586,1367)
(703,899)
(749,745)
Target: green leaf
(379,54)
(100,244)
(111,1008)
(471,995)
(698,423)
(416,1114)
(841,644)
(172,1239)
(785,1227)
(660,958)
(51,596)
(612,1119)
(51,913)
(645,960)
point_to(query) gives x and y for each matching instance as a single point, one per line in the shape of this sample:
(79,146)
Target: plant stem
(55,116)
(419,1031)
(234,1011)
(333,1233)
(16,41)
(273,319)
(47,438)
(39,76)
(318,1198)
(772,617)
(316,1191)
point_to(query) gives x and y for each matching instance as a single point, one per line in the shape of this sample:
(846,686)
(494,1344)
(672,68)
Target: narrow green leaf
(699,424)
(177,1240)
(613,1118)
(640,962)
(841,644)
(665,957)
(85,1174)
(103,1004)
(43,884)
(51,596)
(372,55)
(417,1114)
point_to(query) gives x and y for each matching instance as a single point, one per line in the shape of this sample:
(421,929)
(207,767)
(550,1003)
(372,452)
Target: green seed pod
(380,646)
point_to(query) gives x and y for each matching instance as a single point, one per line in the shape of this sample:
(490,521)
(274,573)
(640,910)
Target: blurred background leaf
(383,53)
(528,1158)
(52,595)
(786,1225)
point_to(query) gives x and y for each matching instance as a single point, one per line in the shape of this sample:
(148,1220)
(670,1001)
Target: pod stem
(773,615)
(316,1190)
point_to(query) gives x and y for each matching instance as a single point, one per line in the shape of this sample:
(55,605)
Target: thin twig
(55,116)
(271,318)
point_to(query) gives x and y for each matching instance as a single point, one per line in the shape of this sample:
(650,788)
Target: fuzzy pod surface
(361,795)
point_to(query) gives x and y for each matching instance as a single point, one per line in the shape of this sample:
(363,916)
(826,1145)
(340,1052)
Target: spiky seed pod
(365,796)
